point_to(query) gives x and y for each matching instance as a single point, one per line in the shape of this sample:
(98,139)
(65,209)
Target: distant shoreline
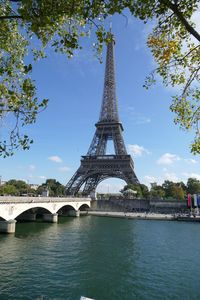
(145,216)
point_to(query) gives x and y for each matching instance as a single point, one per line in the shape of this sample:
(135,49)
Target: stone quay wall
(163,206)
(139,205)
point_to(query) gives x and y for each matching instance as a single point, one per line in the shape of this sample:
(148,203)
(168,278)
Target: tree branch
(165,20)
(10,17)
(179,14)
(189,52)
(191,78)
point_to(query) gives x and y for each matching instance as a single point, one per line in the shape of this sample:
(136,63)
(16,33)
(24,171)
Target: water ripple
(102,258)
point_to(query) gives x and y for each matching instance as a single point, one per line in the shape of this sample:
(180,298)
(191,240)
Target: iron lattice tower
(96,165)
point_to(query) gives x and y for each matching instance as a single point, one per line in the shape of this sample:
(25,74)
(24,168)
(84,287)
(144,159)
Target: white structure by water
(25,208)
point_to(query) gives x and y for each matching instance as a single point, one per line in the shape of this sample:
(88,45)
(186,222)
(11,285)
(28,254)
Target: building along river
(101,258)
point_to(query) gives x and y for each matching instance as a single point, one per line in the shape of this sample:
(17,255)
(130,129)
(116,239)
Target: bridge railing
(20,199)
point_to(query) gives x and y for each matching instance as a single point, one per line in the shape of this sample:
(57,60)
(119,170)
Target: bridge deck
(20,199)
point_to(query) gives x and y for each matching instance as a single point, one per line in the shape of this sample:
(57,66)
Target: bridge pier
(51,218)
(74,213)
(7,226)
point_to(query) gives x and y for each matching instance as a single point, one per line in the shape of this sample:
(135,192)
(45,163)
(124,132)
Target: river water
(101,258)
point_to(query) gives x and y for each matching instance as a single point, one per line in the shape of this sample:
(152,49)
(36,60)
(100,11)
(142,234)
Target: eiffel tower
(96,165)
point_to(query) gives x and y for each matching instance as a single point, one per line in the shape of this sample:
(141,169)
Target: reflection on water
(102,258)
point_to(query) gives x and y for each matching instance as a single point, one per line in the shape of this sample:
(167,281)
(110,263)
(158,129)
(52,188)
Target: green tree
(141,189)
(178,192)
(157,191)
(168,188)
(175,45)
(184,187)
(21,186)
(193,186)
(9,189)
(42,188)
(29,27)
(17,188)
(175,190)
(145,191)
(55,188)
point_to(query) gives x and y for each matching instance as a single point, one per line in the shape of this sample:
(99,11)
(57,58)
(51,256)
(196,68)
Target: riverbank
(145,216)
(157,206)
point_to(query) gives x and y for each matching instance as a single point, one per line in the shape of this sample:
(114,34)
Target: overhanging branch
(179,14)
(10,17)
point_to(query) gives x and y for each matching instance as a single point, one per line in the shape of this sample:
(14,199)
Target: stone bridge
(14,208)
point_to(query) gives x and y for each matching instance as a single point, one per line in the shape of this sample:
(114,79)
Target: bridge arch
(37,211)
(65,209)
(83,207)
(2,219)
(25,209)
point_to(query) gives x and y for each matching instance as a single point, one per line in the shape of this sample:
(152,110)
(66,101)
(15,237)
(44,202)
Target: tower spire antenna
(109,107)
(97,165)
(110,26)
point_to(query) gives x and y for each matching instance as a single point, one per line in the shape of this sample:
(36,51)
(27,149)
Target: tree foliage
(55,188)
(15,187)
(175,190)
(175,45)
(178,192)
(141,190)
(9,190)
(157,191)
(27,28)
(193,186)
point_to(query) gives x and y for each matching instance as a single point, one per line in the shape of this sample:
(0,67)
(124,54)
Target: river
(101,258)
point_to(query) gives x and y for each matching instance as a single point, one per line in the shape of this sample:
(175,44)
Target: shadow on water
(25,229)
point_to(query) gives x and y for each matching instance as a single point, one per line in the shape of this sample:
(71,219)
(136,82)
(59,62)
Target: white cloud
(191,161)
(42,177)
(171,177)
(191,175)
(136,150)
(32,167)
(55,158)
(148,179)
(168,159)
(64,169)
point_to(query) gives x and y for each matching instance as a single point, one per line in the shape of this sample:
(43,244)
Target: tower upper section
(109,109)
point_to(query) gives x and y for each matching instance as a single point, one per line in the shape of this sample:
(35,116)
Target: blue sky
(64,131)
